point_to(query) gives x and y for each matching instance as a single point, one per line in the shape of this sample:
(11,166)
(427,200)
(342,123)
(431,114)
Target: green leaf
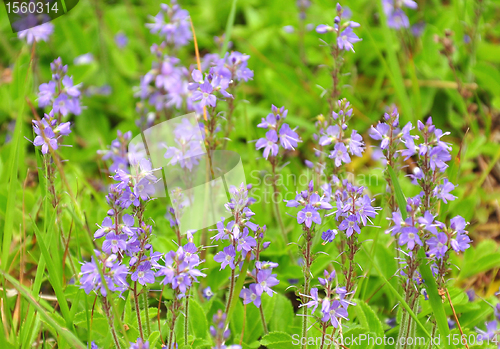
(197,319)
(283,315)
(277,340)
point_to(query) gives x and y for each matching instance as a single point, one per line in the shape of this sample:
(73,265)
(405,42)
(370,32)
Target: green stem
(238,288)
(146,311)
(186,329)
(138,311)
(106,306)
(263,320)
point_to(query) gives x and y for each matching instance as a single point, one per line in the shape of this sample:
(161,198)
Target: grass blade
(54,279)
(64,332)
(229,28)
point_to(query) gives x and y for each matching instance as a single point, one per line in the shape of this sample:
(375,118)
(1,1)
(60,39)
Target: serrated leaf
(277,340)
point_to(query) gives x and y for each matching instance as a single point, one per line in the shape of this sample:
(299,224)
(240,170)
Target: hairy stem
(231,291)
(138,311)
(106,306)
(145,304)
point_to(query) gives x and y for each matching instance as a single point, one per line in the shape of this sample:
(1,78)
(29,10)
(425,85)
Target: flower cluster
(60,93)
(220,333)
(234,66)
(354,209)
(205,89)
(237,231)
(312,202)
(121,237)
(422,229)
(343,31)
(49,131)
(37,33)
(332,308)
(396,17)
(173,24)
(334,140)
(118,152)
(279,133)
(264,279)
(180,269)
(114,273)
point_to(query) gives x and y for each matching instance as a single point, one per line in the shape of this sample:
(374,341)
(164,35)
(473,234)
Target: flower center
(205,95)
(114,242)
(411,236)
(228,258)
(140,274)
(309,214)
(140,188)
(253,297)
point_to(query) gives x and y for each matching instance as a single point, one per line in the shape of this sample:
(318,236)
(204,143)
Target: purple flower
(314,300)
(265,280)
(269,143)
(490,333)
(409,235)
(176,29)
(250,295)
(205,94)
(36,34)
(328,235)
(323,29)
(346,39)
(106,227)
(438,157)
(226,257)
(380,132)
(331,135)
(437,245)
(46,139)
(356,144)
(332,312)
(398,19)
(308,215)
(350,225)
(207,293)
(427,221)
(46,93)
(121,40)
(288,137)
(442,191)
(246,242)
(268,122)
(461,242)
(139,344)
(144,189)
(339,153)
(114,243)
(144,275)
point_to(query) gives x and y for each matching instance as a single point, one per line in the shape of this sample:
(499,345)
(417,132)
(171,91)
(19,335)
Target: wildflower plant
(108,244)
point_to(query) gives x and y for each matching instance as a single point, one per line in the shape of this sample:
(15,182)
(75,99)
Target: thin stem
(186,329)
(231,290)
(146,311)
(158,315)
(263,320)
(138,311)
(307,272)
(456,319)
(110,317)
(323,336)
